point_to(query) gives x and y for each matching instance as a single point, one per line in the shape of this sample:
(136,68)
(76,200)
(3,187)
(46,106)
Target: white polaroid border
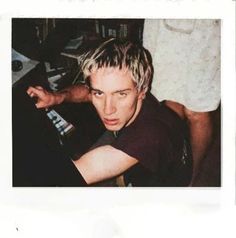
(120,212)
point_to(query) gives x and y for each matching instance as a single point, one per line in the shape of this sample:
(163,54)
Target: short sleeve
(144,144)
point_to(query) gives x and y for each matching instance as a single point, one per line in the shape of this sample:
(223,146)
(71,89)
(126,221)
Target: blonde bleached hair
(123,55)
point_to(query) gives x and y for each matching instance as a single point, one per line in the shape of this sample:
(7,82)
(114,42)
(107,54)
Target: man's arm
(76,93)
(103,163)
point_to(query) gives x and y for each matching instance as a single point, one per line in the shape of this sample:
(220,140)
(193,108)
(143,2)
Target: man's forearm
(75,93)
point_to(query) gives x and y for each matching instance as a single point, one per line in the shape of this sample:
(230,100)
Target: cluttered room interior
(46,53)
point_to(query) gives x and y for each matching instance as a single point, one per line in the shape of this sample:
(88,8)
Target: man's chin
(113,127)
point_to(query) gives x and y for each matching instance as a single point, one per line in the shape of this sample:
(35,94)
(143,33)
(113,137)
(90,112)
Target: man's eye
(122,94)
(98,94)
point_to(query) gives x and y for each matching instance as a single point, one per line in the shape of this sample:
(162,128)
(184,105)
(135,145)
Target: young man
(147,141)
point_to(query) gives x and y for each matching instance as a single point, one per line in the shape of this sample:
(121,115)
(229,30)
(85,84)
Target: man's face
(115,97)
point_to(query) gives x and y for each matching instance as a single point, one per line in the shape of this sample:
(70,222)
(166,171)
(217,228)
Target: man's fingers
(39,87)
(39,105)
(30,93)
(29,90)
(34,91)
(42,97)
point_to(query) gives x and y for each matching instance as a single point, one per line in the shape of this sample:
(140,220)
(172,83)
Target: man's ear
(142,94)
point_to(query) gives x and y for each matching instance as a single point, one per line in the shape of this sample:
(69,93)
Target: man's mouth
(110,122)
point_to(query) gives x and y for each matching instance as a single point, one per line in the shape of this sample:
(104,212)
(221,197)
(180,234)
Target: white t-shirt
(186,59)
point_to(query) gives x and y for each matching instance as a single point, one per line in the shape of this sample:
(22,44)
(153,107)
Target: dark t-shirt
(158,140)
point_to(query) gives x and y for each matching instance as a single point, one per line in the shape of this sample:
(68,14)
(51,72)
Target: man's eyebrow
(95,89)
(123,90)
(117,91)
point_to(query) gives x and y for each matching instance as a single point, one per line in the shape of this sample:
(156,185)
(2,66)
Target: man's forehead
(112,80)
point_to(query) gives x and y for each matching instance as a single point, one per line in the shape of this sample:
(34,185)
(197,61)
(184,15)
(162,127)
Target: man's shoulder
(157,113)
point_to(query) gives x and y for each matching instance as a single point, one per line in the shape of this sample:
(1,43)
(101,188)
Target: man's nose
(109,106)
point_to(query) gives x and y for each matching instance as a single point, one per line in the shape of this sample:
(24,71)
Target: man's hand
(44,98)
(75,94)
